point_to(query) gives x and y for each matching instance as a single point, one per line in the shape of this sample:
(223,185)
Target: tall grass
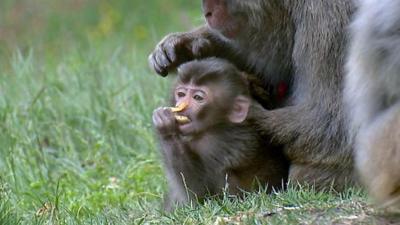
(76,97)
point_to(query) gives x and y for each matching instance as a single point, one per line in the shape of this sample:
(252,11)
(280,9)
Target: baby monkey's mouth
(180,118)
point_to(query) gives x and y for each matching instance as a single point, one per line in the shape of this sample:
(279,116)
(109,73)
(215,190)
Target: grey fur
(372,97)
(300,42)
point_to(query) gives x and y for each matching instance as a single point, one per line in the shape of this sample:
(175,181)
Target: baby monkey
(206,142)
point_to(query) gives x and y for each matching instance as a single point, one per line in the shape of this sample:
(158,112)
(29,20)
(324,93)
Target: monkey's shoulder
(238,141)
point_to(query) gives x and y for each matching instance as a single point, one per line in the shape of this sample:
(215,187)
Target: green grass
(76,140)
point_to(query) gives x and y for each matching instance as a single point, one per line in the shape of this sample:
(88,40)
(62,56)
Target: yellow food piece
(179,107)
(182,119)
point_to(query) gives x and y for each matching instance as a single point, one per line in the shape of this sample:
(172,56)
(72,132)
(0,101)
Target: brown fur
(220,154)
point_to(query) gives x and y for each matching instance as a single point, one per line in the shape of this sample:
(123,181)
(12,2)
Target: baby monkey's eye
(198,98)
(181,94)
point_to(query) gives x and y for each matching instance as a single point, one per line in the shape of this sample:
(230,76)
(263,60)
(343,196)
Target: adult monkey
(372,95)
(298,42)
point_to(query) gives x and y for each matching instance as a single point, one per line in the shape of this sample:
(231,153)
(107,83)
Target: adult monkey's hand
(178,48)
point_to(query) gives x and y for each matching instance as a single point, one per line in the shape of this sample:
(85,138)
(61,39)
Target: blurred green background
(52,27)
(76,97)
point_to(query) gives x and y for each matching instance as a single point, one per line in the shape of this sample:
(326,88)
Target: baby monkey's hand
(165,122)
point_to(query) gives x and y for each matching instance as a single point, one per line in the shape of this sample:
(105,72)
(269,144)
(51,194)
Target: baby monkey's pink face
(198,100)
(208,106)
(211,94)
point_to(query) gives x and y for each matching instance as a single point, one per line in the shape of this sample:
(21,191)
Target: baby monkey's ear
(240,109)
